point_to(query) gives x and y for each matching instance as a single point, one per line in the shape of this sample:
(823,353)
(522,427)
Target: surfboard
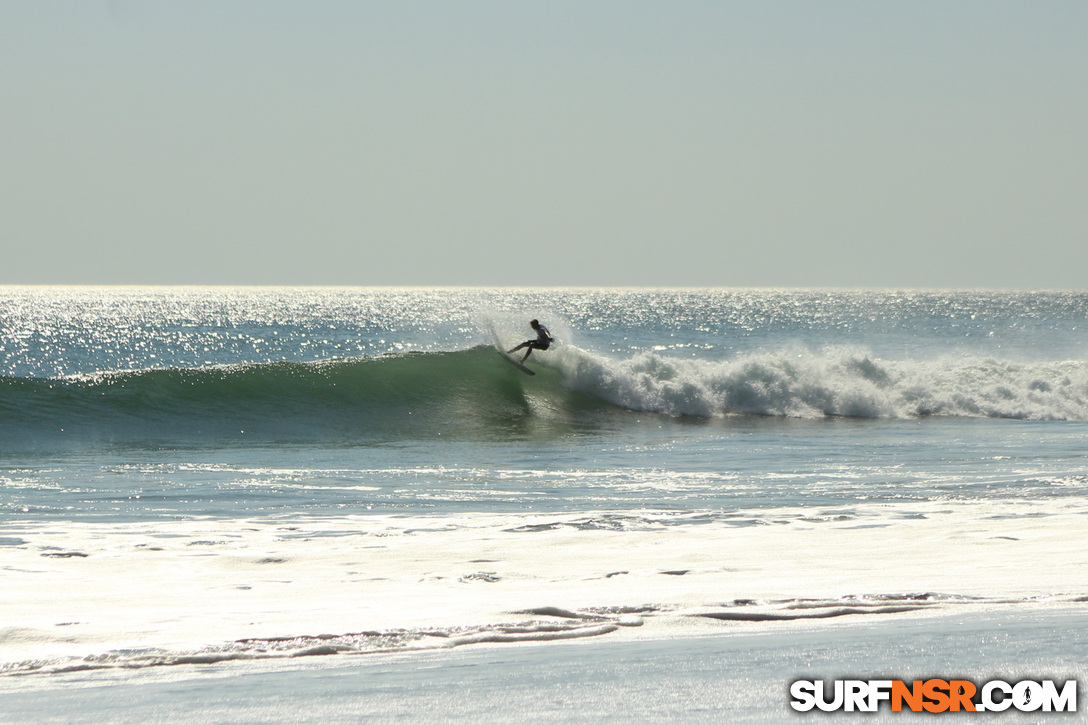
(516,363)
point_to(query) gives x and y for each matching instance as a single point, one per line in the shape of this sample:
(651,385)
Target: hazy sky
(921,144)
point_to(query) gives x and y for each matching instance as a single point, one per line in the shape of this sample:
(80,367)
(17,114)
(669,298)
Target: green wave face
(470,394)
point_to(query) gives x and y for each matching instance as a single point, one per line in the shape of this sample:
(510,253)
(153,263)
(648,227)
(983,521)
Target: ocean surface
(200,475)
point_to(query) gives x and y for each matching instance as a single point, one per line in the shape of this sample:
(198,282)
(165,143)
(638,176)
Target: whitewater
(226,485)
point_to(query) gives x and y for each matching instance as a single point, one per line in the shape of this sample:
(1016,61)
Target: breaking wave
(832,382)
(475,393)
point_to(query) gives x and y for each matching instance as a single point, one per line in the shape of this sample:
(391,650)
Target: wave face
(475,394)
(468,393)
(832,382)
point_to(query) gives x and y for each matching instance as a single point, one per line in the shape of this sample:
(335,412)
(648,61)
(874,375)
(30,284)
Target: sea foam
(835,381)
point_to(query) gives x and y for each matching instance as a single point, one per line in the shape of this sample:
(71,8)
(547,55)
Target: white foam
(179,586)
(839,381)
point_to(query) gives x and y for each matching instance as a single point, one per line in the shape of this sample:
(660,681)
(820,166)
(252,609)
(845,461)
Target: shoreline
(705,673)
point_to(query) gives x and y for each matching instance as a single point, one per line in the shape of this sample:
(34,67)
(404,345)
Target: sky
(681,143)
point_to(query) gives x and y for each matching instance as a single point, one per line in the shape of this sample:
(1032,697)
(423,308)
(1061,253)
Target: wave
(383,397)
(474,393)
(838,381)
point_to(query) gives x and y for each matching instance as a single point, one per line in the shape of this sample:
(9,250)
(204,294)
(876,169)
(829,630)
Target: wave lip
(831,382)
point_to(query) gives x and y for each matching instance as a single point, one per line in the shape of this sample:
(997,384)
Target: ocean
(229,478)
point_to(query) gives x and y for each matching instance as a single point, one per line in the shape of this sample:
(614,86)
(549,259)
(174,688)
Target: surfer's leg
(531,344)
(515,349)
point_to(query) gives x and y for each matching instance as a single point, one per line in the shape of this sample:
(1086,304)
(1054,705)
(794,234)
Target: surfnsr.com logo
(934,695)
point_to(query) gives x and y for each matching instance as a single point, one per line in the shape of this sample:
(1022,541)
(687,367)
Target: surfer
(543,340)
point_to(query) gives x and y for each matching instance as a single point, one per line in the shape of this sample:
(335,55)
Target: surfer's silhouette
(543,340)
